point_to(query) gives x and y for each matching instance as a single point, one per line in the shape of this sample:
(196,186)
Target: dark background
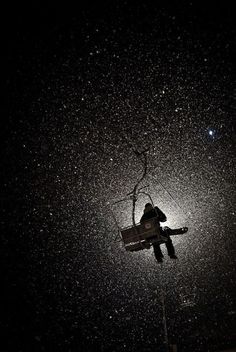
(81,86)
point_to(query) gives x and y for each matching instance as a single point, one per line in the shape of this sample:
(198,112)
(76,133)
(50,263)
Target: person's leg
(170,249)
(157,252)
(166,231)
(179,231)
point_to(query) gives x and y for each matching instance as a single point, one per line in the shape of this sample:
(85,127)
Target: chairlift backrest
(142,235)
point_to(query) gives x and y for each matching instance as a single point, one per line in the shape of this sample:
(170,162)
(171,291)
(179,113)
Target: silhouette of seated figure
(151,212)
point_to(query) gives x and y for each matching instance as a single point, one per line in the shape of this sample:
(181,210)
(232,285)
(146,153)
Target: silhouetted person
(151,212)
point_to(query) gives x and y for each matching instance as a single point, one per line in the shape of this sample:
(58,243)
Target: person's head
(148,207)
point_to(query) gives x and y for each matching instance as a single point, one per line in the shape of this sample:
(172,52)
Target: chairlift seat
(142,236)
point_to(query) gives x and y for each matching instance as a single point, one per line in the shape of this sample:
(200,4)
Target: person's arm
(142,219)
(161,215)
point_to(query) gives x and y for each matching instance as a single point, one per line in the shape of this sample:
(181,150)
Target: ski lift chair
(142,236)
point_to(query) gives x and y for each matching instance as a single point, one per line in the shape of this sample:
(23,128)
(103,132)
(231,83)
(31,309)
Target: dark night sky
(82,86)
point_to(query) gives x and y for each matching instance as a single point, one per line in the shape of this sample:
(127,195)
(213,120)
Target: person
(151,212)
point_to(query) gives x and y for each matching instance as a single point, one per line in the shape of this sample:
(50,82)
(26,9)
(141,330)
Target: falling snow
(83,92)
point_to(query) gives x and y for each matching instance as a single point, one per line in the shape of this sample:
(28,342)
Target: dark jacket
(154,213)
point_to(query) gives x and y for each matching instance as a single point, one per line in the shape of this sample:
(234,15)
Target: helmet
(148,207)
